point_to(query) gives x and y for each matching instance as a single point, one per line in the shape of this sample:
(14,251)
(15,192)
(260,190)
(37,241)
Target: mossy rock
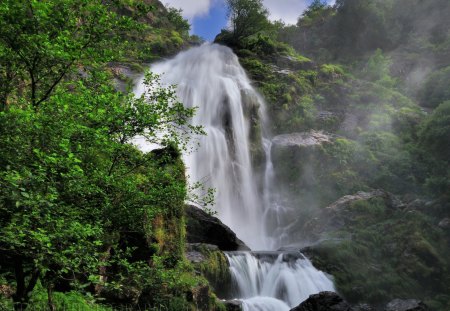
(209,261)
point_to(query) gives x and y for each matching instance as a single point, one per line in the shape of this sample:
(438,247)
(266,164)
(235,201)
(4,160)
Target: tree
(247,17)
(41,42)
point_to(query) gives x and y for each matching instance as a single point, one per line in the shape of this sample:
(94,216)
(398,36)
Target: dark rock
(324,301)
(207,229)
(406,305)
(233,305)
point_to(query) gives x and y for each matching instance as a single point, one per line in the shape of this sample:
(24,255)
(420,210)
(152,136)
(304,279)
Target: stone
(204,228)
(303,139)
(324,301)
(406,305)
(233,305)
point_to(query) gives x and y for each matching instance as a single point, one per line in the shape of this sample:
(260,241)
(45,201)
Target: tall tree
(247,17)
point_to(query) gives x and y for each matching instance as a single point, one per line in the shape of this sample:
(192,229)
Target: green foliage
(41,42)
(378,69)
(435,90)
(434,141)
(248,17)
(391,253)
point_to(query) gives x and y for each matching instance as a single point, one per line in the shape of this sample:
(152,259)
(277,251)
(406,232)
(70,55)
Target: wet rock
(406,305)
(233,305)
(324,301)
(204,228)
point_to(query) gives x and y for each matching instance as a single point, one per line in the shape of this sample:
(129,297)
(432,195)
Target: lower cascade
(210,78)
(275,281)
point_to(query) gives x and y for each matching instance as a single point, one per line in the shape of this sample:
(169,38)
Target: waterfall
(210,77)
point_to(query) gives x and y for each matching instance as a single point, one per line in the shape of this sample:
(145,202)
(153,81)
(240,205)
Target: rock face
(204,228)
(297,158)
(406,305)
(324,301)
(303,139)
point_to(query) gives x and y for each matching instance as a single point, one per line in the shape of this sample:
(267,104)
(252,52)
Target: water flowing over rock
(210,77)
(281,280)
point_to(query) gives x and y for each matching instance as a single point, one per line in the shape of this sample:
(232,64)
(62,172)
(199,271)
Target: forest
(91,221)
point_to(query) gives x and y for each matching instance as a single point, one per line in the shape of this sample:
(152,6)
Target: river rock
(406,305)
(204,228)
(324,301)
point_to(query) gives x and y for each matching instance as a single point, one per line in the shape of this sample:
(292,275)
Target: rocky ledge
(204,228)
(303,139)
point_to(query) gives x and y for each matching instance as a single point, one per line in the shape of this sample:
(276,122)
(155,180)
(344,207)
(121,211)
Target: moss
(215,268)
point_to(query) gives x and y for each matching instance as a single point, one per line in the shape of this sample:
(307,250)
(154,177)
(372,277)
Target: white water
(288,277)
(210,78)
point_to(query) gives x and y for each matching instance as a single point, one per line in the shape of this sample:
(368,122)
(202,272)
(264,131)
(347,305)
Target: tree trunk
(21,297)
(51,305)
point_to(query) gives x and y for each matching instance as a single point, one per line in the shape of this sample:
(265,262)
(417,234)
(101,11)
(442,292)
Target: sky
(208,17)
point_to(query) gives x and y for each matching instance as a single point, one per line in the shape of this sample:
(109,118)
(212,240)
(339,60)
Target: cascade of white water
(289,278)
(210,77)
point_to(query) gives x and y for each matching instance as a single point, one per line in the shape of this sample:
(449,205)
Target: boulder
(406,305)
(324,301)
(204,228)
(233,305)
